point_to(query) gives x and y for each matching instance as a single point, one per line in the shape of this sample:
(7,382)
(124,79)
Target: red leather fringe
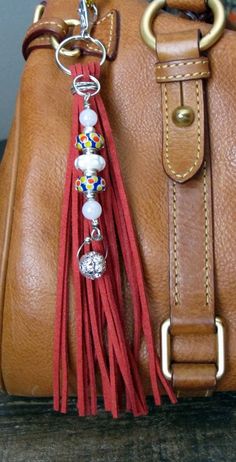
(102,346)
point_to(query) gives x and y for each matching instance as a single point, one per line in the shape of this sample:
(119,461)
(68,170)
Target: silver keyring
(82,39)
(82,88)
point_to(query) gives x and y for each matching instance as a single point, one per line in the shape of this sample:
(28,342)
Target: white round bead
(76,163)
(92,210)
(90,162)
(88,118)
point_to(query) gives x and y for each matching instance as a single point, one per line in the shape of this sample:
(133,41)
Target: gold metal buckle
(206,42)
(166,349)
(64,51)
(39,10)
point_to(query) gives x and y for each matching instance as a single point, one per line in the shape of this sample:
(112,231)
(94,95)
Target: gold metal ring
(206,42)
(64,51)
(39,10)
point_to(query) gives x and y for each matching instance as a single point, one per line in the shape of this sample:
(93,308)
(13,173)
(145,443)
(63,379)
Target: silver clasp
(87,19)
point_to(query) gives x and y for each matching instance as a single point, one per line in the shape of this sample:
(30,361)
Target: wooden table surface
(194,430)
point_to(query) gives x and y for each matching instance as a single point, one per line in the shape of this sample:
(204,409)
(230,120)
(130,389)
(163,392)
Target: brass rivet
(183,116)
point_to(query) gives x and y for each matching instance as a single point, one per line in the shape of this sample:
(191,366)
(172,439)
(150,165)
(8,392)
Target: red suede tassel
(103,350)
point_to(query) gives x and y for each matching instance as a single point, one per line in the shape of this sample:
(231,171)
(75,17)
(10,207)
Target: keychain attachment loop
(81,38)
(64,51)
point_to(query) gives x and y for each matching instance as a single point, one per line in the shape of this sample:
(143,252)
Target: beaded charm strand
(89,143)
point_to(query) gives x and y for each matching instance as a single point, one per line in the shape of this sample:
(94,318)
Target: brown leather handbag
(172,107)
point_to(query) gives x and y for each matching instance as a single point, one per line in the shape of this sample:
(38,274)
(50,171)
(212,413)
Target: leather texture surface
(198,6)
(32,178)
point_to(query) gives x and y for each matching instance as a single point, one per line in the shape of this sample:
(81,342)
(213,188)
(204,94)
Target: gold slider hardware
(166,349)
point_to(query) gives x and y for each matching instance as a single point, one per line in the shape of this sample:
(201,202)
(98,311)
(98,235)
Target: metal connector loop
(206,42)
(166,349)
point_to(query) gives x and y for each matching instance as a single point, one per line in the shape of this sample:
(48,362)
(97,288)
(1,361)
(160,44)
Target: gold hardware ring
(39,10)
(206,42)
(64,51)
(166,349)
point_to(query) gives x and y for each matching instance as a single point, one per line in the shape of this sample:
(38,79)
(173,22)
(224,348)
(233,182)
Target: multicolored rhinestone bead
(88,183)
(89,140)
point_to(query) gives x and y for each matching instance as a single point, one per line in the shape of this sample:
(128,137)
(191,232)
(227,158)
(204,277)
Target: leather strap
(194,377)
(187,164)
(183,148)
(197,6)
(51,27)
(106,30)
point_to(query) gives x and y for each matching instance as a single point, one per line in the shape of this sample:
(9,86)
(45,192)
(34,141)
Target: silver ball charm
(92,265)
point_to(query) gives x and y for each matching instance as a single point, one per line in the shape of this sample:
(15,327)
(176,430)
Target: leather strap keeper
(183,70)
(194,348)
(194,377)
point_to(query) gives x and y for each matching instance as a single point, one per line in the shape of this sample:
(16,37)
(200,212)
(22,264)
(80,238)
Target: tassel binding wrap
(103,349)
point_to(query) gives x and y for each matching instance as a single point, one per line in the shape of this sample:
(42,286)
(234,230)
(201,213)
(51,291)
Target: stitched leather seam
(207,279)
(176,273)
(176,276)
(111,16)
(181,76)
(45,38)
(182,175)
(35,26)
(111,32)
(165,66)
(105,17)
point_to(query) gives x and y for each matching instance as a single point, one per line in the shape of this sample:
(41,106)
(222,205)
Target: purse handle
(196,6)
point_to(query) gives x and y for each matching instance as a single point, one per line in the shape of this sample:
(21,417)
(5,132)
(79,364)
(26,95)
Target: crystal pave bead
(92,265)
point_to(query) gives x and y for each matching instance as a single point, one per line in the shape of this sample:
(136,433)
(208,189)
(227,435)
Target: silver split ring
(82,39)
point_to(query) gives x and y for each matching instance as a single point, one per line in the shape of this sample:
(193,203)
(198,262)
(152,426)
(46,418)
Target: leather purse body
(31,188)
